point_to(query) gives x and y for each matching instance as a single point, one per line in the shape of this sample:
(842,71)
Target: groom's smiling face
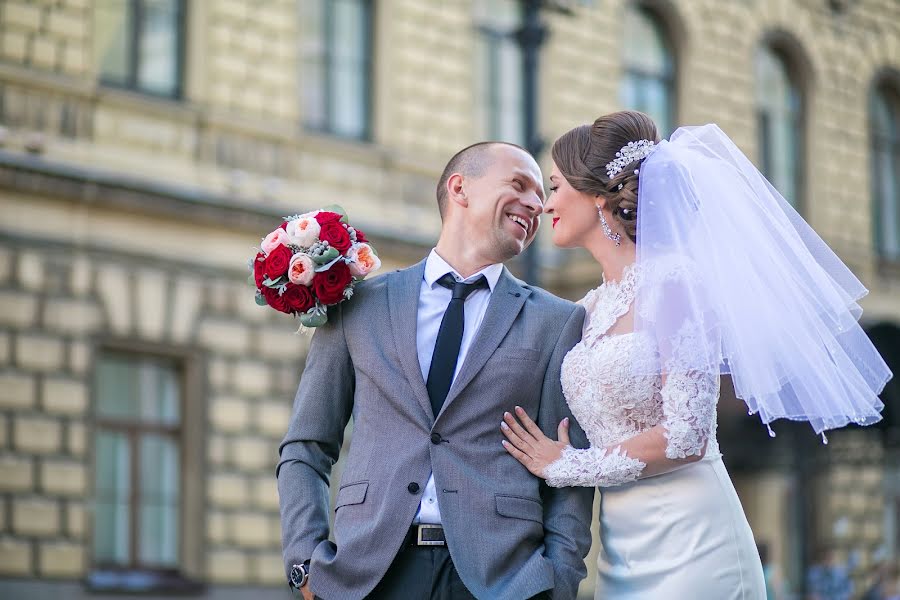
(505,203)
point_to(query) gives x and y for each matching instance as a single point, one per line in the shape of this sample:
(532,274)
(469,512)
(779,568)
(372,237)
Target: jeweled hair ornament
(630,152)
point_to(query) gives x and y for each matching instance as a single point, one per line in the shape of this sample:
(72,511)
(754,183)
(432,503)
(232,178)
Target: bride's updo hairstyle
(582,154)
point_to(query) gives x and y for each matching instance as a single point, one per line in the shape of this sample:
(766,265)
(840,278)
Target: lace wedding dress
(679,534)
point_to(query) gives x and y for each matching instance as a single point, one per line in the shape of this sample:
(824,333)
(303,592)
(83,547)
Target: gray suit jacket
(510,535)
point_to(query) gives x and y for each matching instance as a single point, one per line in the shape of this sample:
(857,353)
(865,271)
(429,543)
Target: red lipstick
(554,221)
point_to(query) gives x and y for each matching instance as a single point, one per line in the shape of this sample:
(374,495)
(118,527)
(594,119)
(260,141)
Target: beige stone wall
(50,37)
(238,130)
(69,266)
(58,310)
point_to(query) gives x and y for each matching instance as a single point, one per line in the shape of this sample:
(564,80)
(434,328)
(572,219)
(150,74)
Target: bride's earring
(615,237)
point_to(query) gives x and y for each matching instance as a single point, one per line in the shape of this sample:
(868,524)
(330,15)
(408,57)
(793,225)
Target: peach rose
(302,269)
(303,231)
(363,260)
(275,239)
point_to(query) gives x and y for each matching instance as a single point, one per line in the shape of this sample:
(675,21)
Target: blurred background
(147,145)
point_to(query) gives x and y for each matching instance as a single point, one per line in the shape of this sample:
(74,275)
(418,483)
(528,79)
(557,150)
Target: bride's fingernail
(503,425)
(519,410)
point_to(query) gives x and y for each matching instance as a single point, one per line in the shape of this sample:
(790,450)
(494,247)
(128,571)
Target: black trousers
(425,573)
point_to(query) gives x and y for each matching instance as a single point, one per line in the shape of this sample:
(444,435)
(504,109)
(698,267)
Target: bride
(707,271)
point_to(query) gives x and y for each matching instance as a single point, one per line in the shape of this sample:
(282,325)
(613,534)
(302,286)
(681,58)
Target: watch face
(297,576)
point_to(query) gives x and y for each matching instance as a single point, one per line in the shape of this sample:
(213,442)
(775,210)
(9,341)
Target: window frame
(798,87)
(664,28)
(327,126)
(887,89)
(494,37)
(187,576)
(134,46)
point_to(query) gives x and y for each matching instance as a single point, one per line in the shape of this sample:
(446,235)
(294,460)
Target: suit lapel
(507,300)
(403,298)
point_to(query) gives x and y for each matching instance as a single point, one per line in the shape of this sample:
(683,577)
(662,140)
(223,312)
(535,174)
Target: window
(137,469)
(648,82)
(499,70)
(779,122)
(336,79)
(139,44)
(885,161)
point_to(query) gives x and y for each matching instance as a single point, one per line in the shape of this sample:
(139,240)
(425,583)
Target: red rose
(259,269)
(336,234)
(326,217)
(284,225)
(274,300)
(298,298)
(330,285)
(361,237)
(278,261)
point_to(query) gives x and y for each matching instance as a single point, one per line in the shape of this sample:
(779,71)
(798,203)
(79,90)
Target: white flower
(303,231)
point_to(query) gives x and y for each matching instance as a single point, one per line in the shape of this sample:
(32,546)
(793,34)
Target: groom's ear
(456,190)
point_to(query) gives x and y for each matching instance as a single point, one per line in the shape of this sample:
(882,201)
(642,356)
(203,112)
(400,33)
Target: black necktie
(449,339)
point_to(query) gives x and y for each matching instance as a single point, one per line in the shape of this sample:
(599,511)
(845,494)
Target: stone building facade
(145,147)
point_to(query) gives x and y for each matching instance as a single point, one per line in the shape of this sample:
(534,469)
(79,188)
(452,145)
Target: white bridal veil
(734,281)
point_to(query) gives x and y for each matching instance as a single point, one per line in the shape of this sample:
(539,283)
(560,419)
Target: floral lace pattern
(689,397)
(593,467)
(612,401)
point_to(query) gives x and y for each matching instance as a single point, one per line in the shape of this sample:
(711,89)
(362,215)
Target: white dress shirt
(433,301)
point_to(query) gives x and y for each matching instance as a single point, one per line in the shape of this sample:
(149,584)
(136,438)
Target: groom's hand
(529,445)
(307,593)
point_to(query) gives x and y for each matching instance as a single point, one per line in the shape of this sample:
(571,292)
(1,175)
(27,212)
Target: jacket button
(413,488)
(436,438)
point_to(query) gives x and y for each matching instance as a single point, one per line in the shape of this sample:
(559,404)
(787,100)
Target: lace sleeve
(689,356)
(593,467)
(689,409)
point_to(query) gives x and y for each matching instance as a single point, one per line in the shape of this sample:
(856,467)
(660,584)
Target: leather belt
(425,535)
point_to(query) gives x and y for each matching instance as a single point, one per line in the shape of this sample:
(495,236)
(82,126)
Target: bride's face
(573,214)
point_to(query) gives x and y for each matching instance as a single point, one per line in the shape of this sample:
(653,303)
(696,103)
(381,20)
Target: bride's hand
(529,445)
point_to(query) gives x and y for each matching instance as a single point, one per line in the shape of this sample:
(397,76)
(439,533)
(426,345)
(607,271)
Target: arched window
(779,122)
(648,82)
(885,161)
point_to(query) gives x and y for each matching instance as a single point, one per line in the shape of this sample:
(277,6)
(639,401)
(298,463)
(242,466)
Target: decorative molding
(57,180)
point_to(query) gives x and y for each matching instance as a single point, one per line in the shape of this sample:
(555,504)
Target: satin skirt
(678,535)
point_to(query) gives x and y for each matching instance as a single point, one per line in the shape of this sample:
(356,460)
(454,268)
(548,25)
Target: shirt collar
(436,267)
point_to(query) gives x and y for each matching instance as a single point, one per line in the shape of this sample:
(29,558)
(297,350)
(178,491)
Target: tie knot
(461,290)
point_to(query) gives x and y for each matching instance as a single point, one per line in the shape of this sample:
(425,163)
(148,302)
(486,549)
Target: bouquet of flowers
(311,262)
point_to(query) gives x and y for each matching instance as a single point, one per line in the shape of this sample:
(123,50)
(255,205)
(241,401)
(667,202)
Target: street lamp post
(530,37)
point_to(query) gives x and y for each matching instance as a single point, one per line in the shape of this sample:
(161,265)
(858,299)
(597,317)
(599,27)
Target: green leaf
(261,300)
(314,319)
(327,257)
(274,283)
(336,208)
(251,280)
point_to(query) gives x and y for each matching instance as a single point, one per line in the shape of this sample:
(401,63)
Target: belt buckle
(421,542)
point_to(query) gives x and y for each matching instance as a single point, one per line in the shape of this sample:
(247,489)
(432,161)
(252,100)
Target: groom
(426,360)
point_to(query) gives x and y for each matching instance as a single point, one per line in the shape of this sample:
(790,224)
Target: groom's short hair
(471,161)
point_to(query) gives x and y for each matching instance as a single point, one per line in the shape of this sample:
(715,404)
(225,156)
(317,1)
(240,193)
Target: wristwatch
(299,575)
